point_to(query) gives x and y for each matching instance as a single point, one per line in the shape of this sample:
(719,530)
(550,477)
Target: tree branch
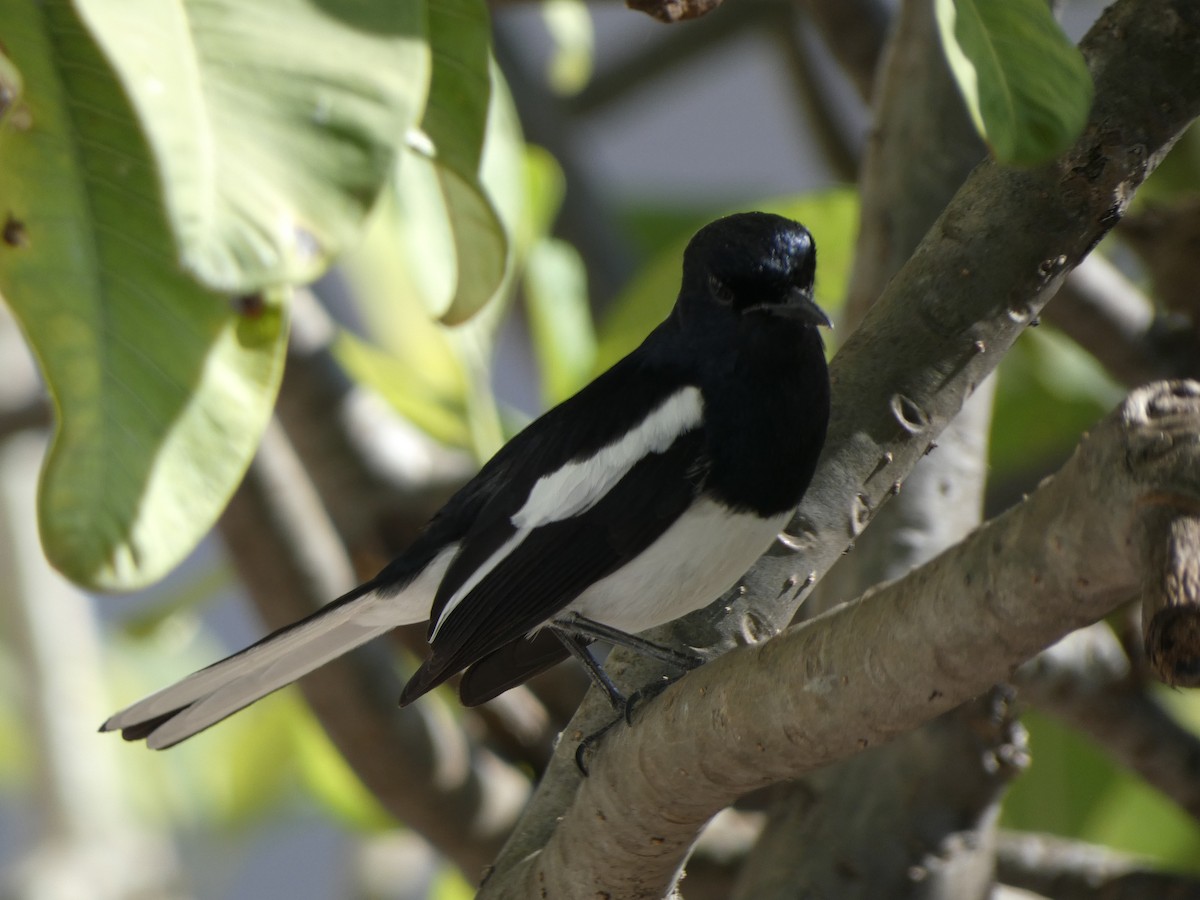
(875,668)
(855,32)
(1106,314)
(985,270)
(1070,870)
(921,812)
(1084,680)
(1171,600)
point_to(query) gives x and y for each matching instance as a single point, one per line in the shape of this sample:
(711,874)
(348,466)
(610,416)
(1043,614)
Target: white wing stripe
(578,486)
(478,575)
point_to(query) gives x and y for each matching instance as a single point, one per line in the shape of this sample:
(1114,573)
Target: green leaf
(1073,789)
(274,123)
(463,237)
(11,87)
(1026,86)
(161,388)
(423,254)
(569,25)
(404,386)
(560,318)
(832,217)
(1049,392)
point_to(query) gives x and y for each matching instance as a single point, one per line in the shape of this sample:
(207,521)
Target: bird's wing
(514,663)
(516,571)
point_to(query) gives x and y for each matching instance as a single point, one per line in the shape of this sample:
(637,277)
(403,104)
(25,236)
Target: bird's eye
(720,290)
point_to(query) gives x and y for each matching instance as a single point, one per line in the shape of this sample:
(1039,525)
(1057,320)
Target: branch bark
(983,272)
(875,668)
(919,815)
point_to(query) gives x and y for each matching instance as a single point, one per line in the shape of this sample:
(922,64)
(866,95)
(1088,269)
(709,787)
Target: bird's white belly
(691,564)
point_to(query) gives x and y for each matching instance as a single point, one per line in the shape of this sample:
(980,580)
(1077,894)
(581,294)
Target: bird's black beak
(798,305)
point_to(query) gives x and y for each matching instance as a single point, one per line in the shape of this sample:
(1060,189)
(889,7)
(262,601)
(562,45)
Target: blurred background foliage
(383,139)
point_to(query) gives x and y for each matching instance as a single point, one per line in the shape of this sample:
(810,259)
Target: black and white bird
(640,499)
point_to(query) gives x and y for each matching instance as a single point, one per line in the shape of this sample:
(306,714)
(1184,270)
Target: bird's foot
(624,710)
(584,750)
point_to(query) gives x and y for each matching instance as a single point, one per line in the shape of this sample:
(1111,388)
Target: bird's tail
(206,697)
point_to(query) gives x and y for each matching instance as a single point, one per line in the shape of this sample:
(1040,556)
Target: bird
(641,498)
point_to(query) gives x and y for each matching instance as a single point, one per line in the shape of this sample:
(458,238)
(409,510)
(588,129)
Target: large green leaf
(1026,86)
(274,123)
(161,388)
(462,241)
(426,253)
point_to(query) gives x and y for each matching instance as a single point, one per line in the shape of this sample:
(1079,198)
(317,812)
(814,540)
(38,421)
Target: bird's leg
(576,632)
(577,646)
(573,623)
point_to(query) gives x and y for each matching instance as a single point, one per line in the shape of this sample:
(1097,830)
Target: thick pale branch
(980,276)
(877,667)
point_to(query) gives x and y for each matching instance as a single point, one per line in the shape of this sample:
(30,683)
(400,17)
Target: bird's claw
(587,743)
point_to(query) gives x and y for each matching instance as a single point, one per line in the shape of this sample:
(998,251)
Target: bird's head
(753,265)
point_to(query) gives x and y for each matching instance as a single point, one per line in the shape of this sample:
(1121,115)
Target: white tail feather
(210,695)
(262,678)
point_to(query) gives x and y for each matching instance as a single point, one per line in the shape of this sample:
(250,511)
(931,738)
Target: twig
(855,32)
(672,50)
(1171,598)
(1071,870)
(789,27)
(1085,680)
(1106,314)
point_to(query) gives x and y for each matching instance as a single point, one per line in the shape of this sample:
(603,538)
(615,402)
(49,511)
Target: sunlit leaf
(545,187)
(1025,84)
(275,123)
(559,317)
(569,24)
(161,388)
(461,235)
(395,379)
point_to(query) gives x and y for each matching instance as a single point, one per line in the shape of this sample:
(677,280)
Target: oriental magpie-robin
(640,499)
